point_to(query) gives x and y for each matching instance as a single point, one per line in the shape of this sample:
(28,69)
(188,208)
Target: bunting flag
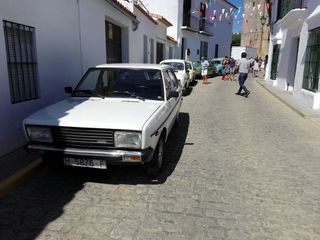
(220,17)
(231,9)
(223,11)
(259,5)
(214,12)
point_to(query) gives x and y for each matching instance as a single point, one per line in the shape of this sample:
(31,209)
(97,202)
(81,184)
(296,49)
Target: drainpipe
(80,40)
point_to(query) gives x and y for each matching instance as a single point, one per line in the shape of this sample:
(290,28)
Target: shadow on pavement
(44,198)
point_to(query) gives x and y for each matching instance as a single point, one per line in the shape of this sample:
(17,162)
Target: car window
(188,66)
(176,66)
(167,82)
(144,83)
(174,80)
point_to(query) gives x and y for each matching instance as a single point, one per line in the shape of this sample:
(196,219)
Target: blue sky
(238,3)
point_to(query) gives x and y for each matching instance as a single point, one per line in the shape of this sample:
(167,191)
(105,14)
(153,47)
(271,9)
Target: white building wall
(69,38)
(158,32)
(222,30)
(173,11)
(170,10)
(93,14)
(295,25)
(58,55)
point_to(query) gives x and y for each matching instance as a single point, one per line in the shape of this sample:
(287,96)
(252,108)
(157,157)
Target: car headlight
(127,139)
(39,134)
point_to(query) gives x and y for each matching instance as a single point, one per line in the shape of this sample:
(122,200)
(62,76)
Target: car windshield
(216,62)
(114,83)
(176,66)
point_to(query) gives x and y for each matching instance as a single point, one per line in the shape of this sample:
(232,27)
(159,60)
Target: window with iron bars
(21,61)
(311,72)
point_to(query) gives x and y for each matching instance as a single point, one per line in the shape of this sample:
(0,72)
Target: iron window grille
(311,72)
(21,61)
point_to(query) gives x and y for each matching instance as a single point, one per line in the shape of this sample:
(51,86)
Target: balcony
(285,6)
(196,24)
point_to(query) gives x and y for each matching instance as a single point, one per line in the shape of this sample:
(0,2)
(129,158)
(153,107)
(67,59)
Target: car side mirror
(68,90)
(173,94)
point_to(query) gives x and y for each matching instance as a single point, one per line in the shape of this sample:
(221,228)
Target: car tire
(157,160)
(177,121)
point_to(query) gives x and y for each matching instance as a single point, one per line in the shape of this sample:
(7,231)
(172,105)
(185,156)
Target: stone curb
(292,107)
(19,177)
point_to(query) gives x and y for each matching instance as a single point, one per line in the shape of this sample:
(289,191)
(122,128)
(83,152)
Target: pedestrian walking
(223,72)
(244,66)
(204,70)
(255,67)
(232,65)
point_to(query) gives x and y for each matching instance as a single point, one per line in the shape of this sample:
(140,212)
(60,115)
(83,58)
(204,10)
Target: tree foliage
(236,39)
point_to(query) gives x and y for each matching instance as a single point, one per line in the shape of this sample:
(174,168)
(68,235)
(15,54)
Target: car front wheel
(157,160)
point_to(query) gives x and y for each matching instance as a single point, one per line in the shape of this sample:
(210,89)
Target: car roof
(133,66)
(217,59)
(173,60)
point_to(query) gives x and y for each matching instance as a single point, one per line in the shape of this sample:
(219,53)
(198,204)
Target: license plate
(81,162)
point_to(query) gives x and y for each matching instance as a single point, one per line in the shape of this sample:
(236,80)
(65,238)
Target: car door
(175,103)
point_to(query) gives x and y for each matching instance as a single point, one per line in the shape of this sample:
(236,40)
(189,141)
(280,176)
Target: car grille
(82,137)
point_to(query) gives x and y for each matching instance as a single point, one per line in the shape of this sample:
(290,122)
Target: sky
(239,3)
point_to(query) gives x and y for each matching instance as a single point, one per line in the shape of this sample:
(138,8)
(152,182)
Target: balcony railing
(197,24)
(285,6)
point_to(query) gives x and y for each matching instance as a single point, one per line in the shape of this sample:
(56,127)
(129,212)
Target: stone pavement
(237,168)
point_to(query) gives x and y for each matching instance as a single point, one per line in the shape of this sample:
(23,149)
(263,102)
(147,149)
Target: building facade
(294,53)
(197,26)
(47,45)
(256,26)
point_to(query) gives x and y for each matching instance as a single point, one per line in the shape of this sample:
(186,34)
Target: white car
(180,68)
(192,72)
(117,114)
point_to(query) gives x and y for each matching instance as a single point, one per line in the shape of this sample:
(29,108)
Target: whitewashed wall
(158,32)
(70,37)
(222,31)
(168,9)
(296,24)
(93,14)
(58,55)
(173,11)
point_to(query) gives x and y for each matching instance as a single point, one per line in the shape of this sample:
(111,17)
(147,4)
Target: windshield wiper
(90,92)
(127,93)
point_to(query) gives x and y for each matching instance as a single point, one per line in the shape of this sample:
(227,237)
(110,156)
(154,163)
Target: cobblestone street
(236,168)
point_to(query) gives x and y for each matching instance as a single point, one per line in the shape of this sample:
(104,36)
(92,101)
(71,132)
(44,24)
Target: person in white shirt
(204,70)
(244,66)
(256,67)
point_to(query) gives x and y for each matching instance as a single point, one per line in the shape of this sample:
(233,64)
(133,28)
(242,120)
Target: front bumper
(112,156)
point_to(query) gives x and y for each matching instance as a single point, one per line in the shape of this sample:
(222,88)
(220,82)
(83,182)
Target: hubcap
(160,154)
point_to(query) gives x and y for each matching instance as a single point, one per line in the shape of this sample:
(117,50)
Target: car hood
(106,113)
